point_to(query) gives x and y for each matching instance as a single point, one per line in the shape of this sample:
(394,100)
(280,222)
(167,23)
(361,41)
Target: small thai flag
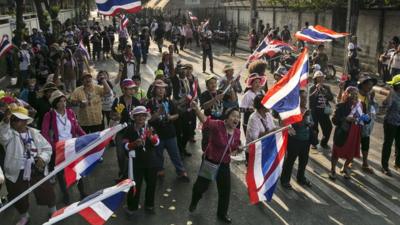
(270,48)
(318,34)
(97,208)
(84,165)
(265,166)
(84,49)
(5,45)
(191,16)
(124,22)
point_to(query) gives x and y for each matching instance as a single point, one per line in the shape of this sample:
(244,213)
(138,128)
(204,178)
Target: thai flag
(265,166)
(113,7)
(318,34)
(84,165)
(191,16)
(124,22)
(84,49)
(284,96)
(270,48)
(97,208)
(5,45)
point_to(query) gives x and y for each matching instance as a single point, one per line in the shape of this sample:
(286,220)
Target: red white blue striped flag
(97,208)
(113,7)
(315,34)
(5,45)
(70,148)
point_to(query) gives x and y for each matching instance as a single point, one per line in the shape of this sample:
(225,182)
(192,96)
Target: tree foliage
(319,5)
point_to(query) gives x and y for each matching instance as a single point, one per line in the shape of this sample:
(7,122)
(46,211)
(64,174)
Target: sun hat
(159,73)
(160,83)
(56,94)
(140,110)
(49,87)
(318,74)
(365,79)
(227,67)
(255,76)
(395,80)
(21,113)
(128,83)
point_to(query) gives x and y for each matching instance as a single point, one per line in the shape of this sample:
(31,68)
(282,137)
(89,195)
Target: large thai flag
(97,208)
(5,45)
(113,7)
(265,166)
(318,34)
(270,48)
(70,148)
(284,96)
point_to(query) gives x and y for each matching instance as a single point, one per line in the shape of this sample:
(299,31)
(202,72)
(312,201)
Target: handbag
(208,169)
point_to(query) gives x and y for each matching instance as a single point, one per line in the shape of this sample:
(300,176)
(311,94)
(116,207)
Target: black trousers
(295,148)
(149,175)
(184,130)
(223,185)
(137,65)
(322,119)
(390,133)
(207,54)
(233,48)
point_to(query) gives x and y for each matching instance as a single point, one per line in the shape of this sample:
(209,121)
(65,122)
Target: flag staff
(268,135)
(64,164)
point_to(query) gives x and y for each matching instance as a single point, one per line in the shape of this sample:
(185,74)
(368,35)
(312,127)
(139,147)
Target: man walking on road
(207,50)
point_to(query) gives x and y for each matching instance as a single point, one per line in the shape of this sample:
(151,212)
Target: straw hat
(318,74)
(140,110)
(21,113)
(55,95)
(49,87)
(227,67)
(160,83)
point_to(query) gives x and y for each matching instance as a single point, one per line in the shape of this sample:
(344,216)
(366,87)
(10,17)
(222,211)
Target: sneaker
(129,212)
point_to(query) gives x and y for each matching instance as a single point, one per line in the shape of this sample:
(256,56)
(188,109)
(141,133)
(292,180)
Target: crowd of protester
(57,89)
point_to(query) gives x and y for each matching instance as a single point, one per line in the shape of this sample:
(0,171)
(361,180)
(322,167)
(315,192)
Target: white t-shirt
(26,60)
(27,141)
(248,99)
(395,61)
(64,127)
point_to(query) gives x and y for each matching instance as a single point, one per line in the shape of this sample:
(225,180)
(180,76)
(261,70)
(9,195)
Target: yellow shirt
(91,114)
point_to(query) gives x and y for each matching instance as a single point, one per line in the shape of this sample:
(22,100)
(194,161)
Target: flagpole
(268,135)
(90,202)
(242,68)
(64,164)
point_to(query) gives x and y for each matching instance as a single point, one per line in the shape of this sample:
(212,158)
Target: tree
(20,8)
(42,16)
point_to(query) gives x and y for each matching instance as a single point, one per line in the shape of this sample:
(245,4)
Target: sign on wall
(192,2)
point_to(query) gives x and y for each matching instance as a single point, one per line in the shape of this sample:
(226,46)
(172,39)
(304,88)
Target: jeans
(295,148)
(391,133)
(172,148)
(323,120)
(207,53)
(223,180)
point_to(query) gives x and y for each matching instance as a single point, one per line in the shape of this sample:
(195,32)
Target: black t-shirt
(145,157)
(216,110)
(125,118)
(163,127)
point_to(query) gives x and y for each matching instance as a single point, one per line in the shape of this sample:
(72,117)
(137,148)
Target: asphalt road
(365,199)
